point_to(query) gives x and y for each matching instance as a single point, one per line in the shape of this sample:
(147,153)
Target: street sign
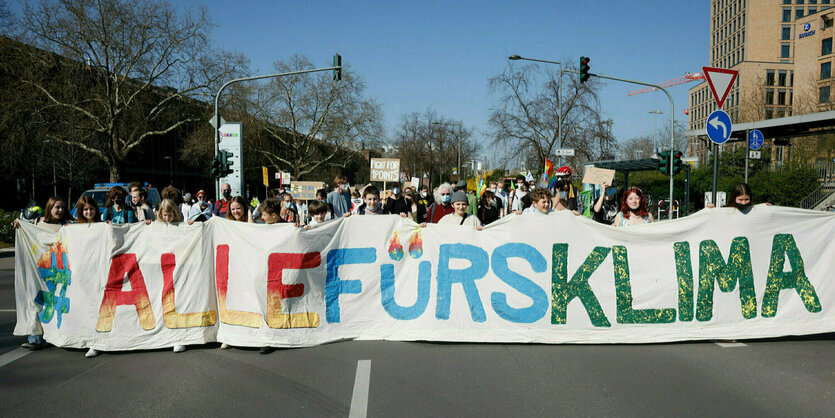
(720,80)
(212,122)
(718,127)
(755,140)
(266,176)
(564,152)
(754,155)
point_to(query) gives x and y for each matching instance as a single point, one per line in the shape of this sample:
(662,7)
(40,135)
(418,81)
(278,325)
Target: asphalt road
(784,377)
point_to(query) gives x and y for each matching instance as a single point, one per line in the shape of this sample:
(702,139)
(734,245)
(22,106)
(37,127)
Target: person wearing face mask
(188,201)
(424,201)
(397,204)
(565,194)
(340,197)
(488,208)
(606,208)
(497,187)
(517,196)
(201,210)
(442,205)
(288,213)
(459,216)
(742,198)
(222,204)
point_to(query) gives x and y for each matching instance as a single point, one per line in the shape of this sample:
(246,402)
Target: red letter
(247,319)
(170,317)
(277,290)
(121,265)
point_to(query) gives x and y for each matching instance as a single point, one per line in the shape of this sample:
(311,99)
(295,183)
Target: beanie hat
(459,196)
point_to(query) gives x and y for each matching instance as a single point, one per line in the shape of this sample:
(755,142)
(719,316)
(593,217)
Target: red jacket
(435,212)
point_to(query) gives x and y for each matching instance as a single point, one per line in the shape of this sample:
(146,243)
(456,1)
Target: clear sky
(416,55)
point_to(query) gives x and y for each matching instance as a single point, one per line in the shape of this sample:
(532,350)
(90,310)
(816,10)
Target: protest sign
(557,278)
(385,169)
(594,175)
(305,190)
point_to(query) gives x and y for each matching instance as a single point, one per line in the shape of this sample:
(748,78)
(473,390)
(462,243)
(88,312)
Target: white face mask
(422,194)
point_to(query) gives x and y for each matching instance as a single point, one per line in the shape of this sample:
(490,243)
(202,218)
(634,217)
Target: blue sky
(417,55)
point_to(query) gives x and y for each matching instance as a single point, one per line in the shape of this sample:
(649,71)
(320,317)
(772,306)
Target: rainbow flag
(550,173)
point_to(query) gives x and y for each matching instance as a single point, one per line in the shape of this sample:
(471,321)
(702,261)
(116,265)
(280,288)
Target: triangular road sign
(720,81)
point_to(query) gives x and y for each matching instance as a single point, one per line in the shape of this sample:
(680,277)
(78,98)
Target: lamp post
(655,114)
(559,95)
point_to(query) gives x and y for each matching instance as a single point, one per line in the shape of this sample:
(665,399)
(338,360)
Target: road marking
(7,310)
(359,401)
(13,355)
(728,344)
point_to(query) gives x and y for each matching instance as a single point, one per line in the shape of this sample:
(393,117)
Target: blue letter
(334,286)
(466,277)
(521,283)
(387,290)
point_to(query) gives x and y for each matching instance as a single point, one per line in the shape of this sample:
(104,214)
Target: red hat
(564,171)
(200,192)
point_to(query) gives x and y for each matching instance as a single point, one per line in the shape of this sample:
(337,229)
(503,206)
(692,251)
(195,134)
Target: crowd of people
(447,204)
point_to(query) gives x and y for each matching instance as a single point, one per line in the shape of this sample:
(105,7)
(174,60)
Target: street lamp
(655,114)
(559,95)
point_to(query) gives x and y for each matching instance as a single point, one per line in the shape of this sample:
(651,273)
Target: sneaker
(92,353)
(266,350)
(224,346)
(179,348)
(33,346)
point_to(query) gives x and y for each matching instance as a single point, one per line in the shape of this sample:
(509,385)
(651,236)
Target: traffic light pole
(672,119)
(747,152)
(257,77)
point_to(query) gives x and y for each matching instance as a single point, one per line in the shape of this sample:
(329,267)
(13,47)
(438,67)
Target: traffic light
(677,163)
(216,167)
(584,69)
(337,62)
(664,162)
(225,164)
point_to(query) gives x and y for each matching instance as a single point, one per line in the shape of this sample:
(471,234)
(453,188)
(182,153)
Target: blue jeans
(36,339)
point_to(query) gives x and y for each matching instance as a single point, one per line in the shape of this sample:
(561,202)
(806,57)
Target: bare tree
(527,113)
(117,73)
(310,119)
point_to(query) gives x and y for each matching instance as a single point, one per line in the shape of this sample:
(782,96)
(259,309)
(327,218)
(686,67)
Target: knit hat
(461,184)
(459,196)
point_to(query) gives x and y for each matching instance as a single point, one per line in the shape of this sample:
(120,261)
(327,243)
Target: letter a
(120,266)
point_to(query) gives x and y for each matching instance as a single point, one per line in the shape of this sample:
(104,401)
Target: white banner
(552,278)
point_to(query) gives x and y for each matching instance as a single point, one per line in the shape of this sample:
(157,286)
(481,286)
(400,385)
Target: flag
(550,173)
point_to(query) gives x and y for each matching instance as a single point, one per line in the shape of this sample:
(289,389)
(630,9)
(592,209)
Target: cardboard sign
(266,176)
(385,169)
(305,190)
(595,175)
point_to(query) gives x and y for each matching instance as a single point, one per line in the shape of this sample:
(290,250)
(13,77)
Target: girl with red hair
(633,210)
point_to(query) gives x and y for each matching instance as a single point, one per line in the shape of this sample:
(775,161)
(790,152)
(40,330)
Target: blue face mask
(446,198)
(610,191)
(288,205)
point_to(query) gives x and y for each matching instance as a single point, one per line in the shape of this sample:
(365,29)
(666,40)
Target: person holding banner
(87,210)
(115,211)
(633,210)
(540,202)
(372,205)
(442,205)
(288,213)
(488,208)
(238,210)
(340,198)
(322,196)
(460,216)
(168,212)
(741,198)
(397,204)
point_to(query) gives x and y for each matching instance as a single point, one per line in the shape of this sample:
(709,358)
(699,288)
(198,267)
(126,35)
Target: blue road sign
(755,140)
(718,127)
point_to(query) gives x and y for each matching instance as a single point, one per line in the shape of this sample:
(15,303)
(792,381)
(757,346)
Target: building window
(798,2)
(826,46)
(798,13)
(781,78)
(787,33)
(824,94)
(813,1)
(827,23)
(813,10)
(769,78)
(784,51)
(787,1)
(787,15)
(781,97)
(826,70)
(769,114)
(769,96)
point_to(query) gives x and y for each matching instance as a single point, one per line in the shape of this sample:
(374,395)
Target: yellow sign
(305,190)
(266,177)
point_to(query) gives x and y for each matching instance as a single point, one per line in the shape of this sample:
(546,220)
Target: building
(783,52)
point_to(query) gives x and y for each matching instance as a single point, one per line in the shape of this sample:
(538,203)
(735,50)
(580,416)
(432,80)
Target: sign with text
(231,140)
(595,175)
(266,176)
(305,190)
(385,169)
(533,278)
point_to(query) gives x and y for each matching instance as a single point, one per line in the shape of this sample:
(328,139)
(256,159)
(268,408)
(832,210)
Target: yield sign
(720,81)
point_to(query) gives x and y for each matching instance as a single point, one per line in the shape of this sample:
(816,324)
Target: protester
(460,215)
(222,204)
(142,211)
(116,211)
(301,209)
(540,202)
(472,200)
(516,196)
(409,195)
(340,197)
(497,187)
(322,196)
(87,210)
(201,210)
(271,210)
(565,194)
(318,212)
(288,212)
(56,213)
(185,207)
(371,205)
(356,201)
(424,201)
(134,186)
(397,204)
(488,208)
(606,208)
(633,210)
(238,210)
(442,205)
(173,194)
(168,212)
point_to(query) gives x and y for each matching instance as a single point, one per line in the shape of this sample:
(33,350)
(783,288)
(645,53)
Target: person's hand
(478,228)
(110,222)
(710,206)
(347,214)
(768,204)
(575,213)
(517,212)
(16,223)
(147,221)
(423,225)
(307,227)
(605,184)
(190,222)
(403,214)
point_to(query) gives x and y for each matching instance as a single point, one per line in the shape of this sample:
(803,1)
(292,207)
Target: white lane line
(728,344)
(13,355)
(359,401)
(7,310)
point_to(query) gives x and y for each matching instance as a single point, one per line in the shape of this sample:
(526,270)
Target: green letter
(713,269)
(623,288)
(684,272)
(563,291)
(782,246)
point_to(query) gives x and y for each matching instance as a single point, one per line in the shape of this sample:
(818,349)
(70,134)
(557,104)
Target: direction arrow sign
(720,81)
(755,140)
(754,155)
(718,126)
(564,152)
